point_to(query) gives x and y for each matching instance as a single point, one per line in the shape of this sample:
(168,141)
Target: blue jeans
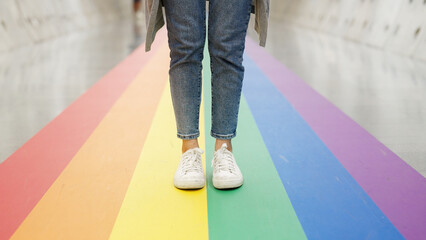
(227,27)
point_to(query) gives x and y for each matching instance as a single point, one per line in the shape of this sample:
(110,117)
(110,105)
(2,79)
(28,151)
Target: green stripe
(260,209)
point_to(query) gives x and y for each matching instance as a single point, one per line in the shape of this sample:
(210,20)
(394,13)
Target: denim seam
(246,24)
(211,72)
(200,58)
(242,54)
(212,92)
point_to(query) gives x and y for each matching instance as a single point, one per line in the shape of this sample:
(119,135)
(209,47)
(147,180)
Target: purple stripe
(397,189)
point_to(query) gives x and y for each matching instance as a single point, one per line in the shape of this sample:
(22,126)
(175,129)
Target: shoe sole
(227,184)
(189,185)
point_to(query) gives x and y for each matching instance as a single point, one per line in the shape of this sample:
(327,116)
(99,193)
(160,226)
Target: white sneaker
(190,174)
(226,173)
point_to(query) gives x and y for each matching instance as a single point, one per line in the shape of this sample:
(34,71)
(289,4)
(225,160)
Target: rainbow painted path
(104,167)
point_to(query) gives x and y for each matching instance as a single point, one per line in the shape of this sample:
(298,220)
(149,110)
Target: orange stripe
(84,201)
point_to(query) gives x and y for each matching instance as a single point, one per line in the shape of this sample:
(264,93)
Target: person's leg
(228,21)
(186,32)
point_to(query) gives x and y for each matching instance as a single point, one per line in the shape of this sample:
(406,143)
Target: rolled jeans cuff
(188,136)
(223,136)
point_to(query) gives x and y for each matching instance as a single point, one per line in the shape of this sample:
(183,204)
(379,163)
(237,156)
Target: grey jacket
(155,20)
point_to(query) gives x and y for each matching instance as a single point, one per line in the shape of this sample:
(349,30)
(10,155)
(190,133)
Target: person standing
(226,31)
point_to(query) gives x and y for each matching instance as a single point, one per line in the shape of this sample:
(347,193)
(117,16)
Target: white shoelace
(191,161)
(223,161)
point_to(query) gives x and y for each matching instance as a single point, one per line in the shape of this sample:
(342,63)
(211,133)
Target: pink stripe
(397,189)
(29,172)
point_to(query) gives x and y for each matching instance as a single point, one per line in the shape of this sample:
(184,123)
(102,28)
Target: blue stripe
(328,201)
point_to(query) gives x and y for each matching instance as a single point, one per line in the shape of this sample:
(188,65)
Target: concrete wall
(394,25)
(24,22)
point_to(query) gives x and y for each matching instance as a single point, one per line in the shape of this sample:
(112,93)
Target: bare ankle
(188,144)
(219,143)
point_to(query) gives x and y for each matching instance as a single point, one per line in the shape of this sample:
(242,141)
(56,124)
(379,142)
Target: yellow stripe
(153,208)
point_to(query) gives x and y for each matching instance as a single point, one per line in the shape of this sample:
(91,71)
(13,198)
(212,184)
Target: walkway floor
(103,167)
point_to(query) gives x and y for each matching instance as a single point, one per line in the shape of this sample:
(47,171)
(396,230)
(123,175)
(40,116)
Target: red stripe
(28,173)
